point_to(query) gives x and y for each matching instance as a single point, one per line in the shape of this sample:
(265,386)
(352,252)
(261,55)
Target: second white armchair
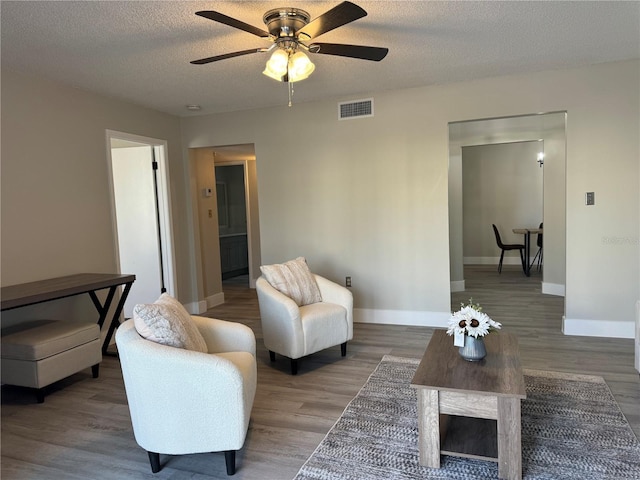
(294,331)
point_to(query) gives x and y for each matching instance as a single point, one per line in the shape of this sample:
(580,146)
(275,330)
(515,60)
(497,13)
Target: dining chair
(509,246)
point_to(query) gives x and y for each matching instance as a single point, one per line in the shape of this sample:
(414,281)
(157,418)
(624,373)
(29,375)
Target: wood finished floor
(83,430)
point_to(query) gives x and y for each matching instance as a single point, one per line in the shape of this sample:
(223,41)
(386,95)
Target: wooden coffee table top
(499,373)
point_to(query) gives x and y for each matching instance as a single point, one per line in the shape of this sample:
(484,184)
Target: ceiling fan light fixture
(292,67)
(300,67)
(277,65)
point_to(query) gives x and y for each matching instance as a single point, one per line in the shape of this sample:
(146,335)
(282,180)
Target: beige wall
(368,198)
(202,163)
(365,198)
(56,204)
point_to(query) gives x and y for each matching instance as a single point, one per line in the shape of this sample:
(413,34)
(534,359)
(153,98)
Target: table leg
(115,320)
(103,309)
(428,428)
(527,253)
(509,439)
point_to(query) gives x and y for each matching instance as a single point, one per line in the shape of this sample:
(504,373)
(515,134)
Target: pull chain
(290,92)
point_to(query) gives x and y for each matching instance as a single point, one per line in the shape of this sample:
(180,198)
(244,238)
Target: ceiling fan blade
(203,61)
(345,12)
(232,22)
(354,51)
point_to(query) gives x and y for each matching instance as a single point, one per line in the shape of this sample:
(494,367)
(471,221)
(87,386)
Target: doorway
(232,223)
(549,130)
(206,191)
(141,215)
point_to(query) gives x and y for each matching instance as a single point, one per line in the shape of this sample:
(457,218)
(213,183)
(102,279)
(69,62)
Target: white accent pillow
(167,322)
(293,279)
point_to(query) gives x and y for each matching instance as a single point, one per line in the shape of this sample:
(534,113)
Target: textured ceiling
(139,51)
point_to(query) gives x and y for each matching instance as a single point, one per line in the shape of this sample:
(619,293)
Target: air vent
(355,109)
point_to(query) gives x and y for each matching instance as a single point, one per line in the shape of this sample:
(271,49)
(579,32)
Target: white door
(140,221)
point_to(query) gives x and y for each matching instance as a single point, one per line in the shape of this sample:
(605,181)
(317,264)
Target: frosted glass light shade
(294,67)
(277,65)
(300,67)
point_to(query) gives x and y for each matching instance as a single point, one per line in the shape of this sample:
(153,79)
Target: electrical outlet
(590,198)
(347,281)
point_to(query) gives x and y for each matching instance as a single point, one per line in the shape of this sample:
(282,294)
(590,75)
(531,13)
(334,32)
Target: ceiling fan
(291,30)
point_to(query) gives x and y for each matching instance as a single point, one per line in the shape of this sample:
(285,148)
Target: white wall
(368,198)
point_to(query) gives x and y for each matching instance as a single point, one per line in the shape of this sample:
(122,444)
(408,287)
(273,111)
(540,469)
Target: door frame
(167,250)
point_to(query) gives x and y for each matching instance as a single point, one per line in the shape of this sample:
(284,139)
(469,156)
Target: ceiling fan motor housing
(286,21)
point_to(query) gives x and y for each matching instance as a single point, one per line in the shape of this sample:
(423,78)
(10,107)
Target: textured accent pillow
(293,279)
(167,322)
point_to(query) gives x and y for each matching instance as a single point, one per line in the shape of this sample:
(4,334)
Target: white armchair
(183,401)
(295,332)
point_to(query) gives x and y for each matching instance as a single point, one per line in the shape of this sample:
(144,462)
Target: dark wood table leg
(115,320)
(527,253)
(103,309)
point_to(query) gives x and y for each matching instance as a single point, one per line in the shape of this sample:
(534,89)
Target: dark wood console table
(15,296)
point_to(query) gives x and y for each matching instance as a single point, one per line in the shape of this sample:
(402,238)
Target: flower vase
(473,350)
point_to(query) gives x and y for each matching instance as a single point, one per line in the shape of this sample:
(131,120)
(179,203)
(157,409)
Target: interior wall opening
(225,191)
(497,187)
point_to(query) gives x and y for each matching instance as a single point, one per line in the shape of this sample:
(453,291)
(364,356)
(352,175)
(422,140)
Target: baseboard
(598,328)
(553,289)
(401,317)
(457,286)
(215,300)
(196,308)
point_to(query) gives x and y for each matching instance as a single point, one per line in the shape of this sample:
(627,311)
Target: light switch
(590,198)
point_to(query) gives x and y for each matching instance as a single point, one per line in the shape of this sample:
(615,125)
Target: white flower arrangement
(470,320)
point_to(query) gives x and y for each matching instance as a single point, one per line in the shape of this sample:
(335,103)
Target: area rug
(572,428)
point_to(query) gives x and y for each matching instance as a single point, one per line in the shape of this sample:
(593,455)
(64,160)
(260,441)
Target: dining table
(527,245)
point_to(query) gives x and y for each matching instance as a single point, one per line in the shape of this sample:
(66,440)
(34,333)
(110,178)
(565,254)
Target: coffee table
(471,409)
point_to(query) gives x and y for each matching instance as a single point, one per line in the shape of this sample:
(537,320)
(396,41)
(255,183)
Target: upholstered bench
(38,353)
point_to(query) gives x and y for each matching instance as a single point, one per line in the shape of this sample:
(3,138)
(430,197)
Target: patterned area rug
(572,428)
